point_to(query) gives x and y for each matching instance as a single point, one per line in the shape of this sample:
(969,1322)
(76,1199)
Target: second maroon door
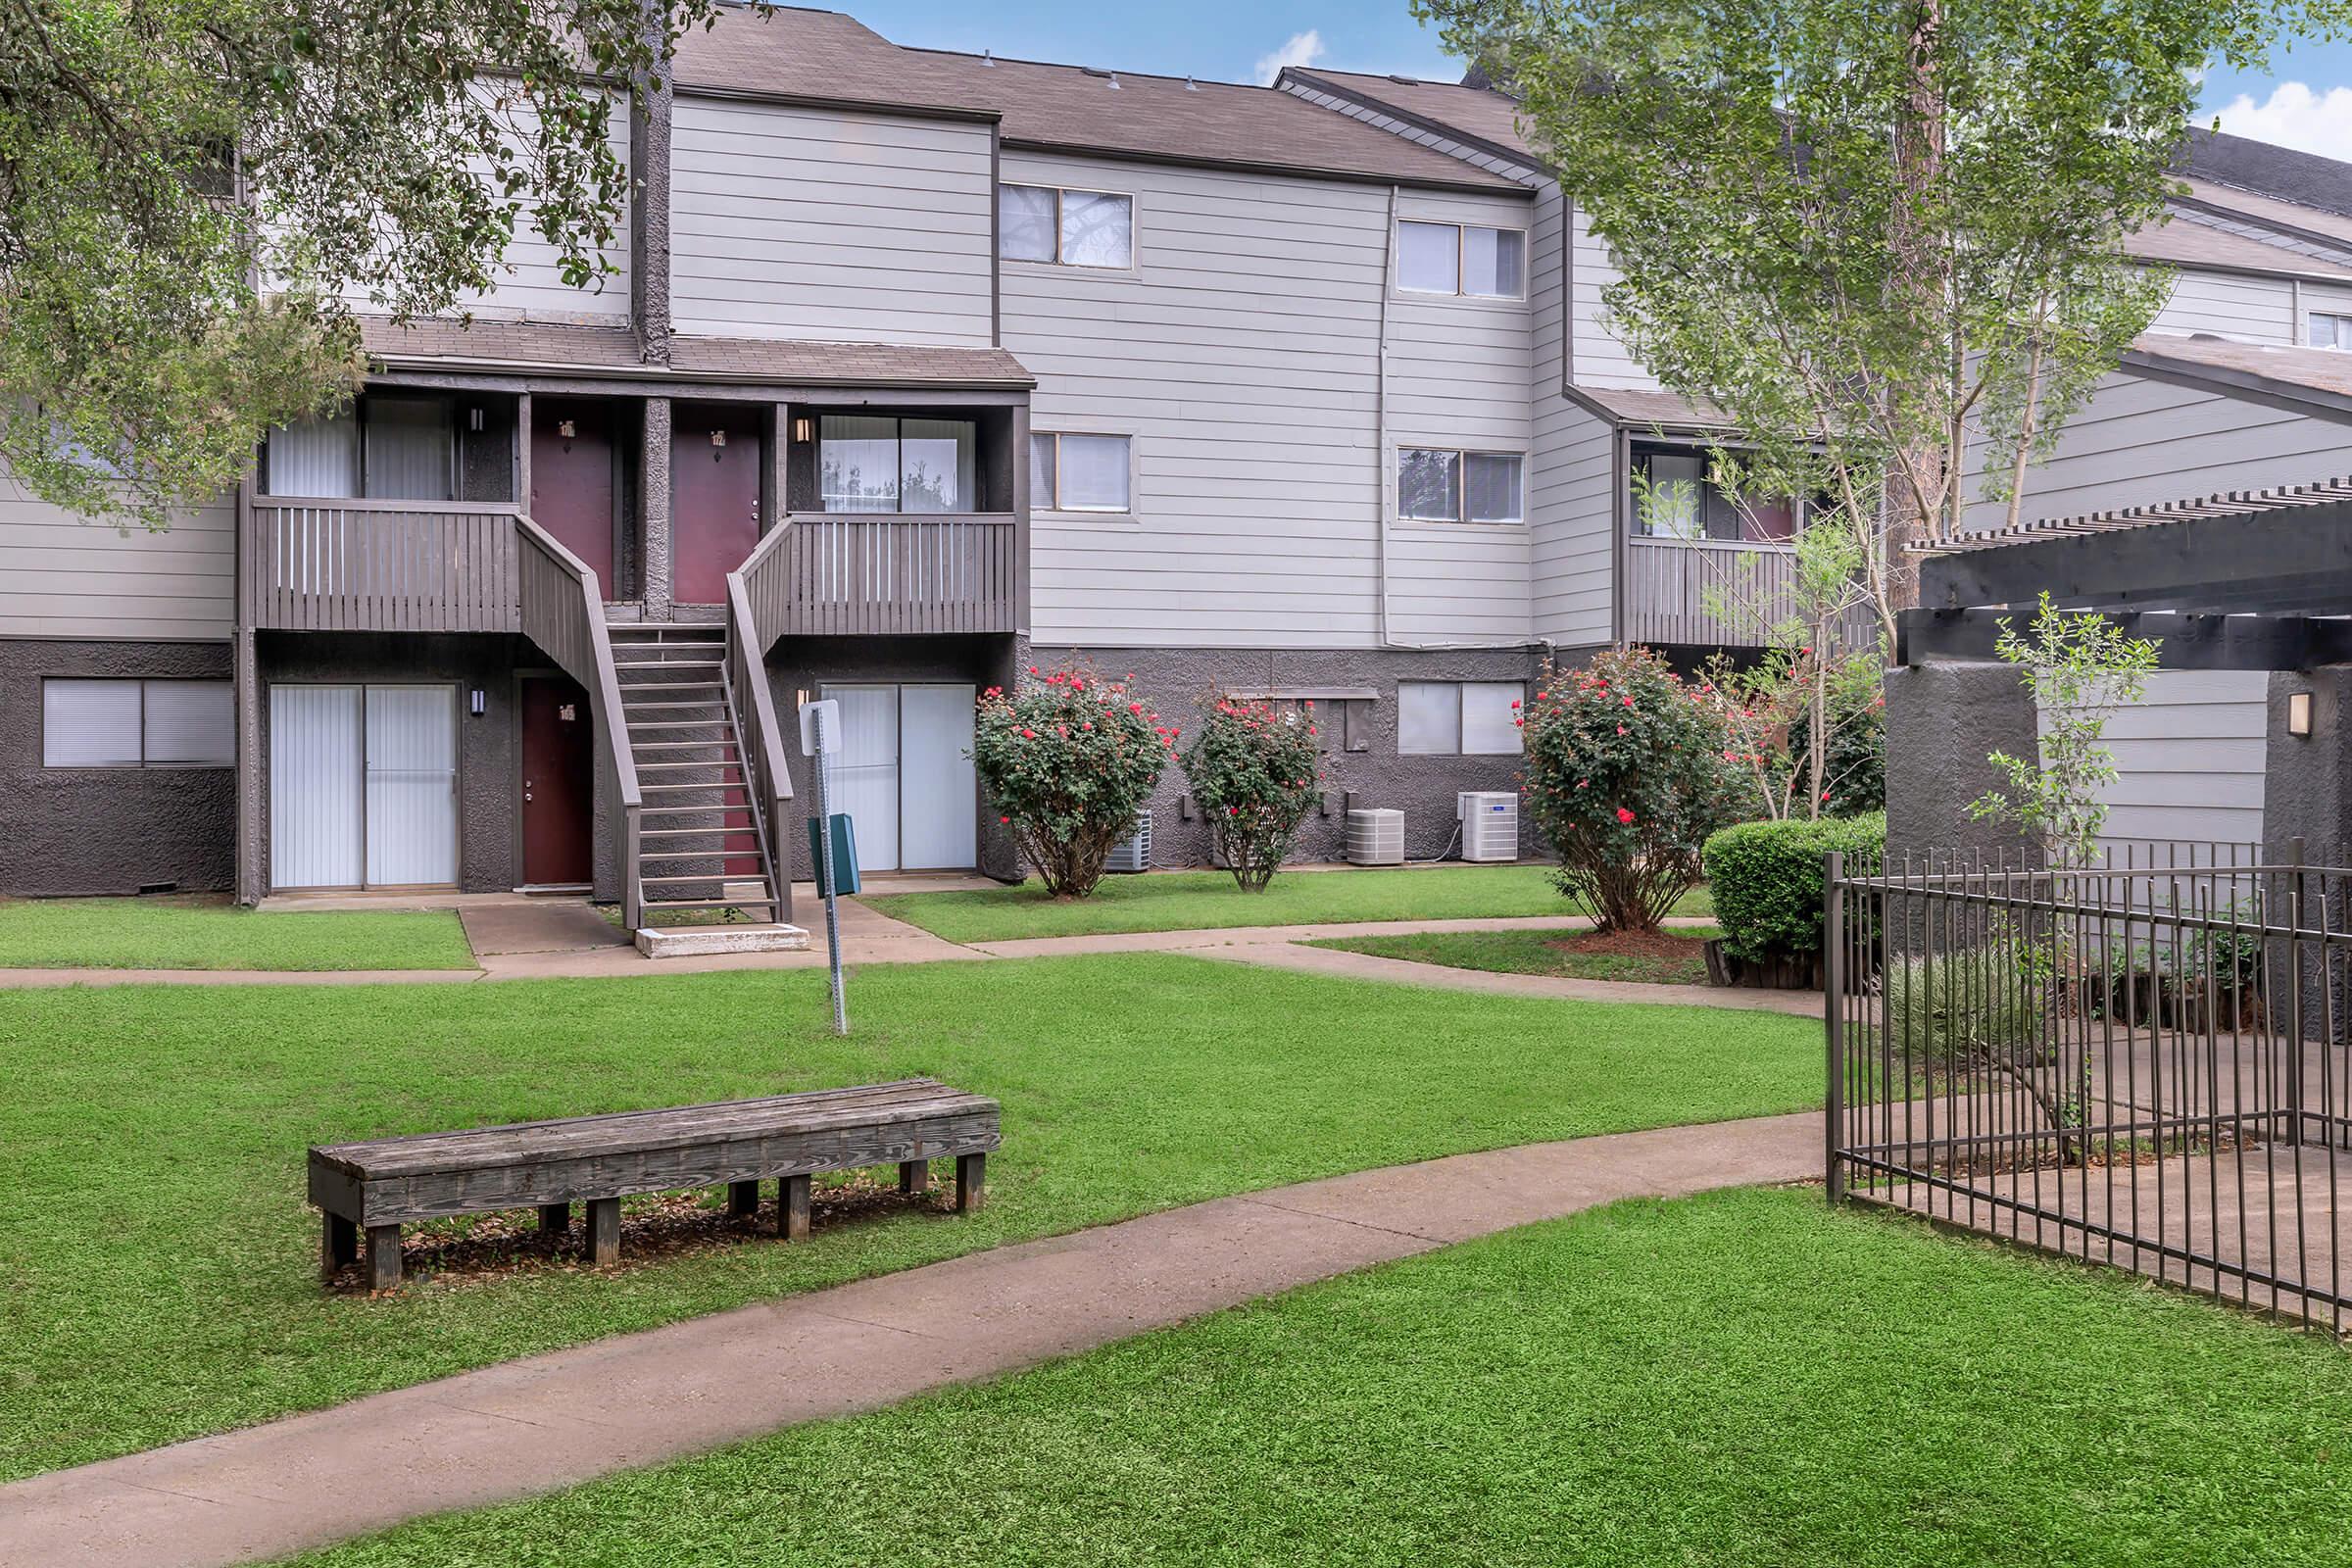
(558,783)
(571,479)
(714,497)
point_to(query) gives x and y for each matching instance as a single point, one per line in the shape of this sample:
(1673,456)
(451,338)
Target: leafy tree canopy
(196,194)
(1864,230)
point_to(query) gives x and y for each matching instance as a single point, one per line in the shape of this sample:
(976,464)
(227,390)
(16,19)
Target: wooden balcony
(1667,582)
(850,574)
(382,565)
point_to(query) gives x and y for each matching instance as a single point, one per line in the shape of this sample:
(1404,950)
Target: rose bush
(1068,760)
(1257,772)
(1628,772)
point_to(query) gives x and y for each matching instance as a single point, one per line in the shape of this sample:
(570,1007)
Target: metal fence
(2143,1063)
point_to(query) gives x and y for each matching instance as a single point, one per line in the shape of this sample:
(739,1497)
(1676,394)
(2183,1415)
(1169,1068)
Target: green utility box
(845,854)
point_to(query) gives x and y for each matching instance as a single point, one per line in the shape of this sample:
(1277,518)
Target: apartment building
(921,368)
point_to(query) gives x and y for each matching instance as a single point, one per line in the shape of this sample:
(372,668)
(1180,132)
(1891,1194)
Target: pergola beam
(2183,641)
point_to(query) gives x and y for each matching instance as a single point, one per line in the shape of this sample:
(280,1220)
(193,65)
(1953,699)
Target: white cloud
(1302,49)
(2294,115)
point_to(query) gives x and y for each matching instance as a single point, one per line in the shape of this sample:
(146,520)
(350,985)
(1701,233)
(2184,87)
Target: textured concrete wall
(653,509)
(1942,721)
(2304,793)
(111,829)
(799,664)
(489,748)
(1178,681)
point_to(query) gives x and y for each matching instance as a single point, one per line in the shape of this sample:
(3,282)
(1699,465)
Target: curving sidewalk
(547,1421)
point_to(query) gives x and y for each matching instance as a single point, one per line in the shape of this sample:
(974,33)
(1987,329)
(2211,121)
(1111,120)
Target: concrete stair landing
(700,941)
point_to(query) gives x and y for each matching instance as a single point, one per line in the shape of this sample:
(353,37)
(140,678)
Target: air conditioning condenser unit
(1490,824)
(1134,852)
(1375,838)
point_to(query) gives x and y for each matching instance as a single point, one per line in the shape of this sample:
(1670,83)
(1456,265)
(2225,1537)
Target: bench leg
(554,1223)
(604,1232)
(972,1182)
(383,1257)
(742,1199)
(792,1208)
(338,1245)
(914,1176)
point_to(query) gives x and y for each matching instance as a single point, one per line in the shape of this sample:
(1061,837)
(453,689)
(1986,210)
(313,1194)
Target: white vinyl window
(2331,331)
(137,723)
(1464,259)
(1068,227)
(1458,718)
(1079,473)
(1440,484)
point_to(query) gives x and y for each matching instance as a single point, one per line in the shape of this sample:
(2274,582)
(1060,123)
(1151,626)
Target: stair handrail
(768,781)
(603,684)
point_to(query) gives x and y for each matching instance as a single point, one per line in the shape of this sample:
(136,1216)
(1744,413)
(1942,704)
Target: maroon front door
(571,478)
(559,782)
(714,496)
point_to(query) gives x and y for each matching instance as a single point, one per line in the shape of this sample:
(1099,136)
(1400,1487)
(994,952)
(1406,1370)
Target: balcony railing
(831,574)
(382,565)
(1666,593)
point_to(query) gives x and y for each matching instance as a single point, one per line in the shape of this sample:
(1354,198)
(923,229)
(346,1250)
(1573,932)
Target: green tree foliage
(2081,669)
(193,196)
(1865,230)
(1256,771)
(1628,770)
(1069,759)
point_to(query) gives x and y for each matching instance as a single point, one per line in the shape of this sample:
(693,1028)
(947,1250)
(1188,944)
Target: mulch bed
(654,1228)
(1662,945)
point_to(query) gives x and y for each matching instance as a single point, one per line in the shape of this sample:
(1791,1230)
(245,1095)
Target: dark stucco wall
(488,747)
(799,664)
(1177,681)
(107,830)
(1942,721)
(2306,793)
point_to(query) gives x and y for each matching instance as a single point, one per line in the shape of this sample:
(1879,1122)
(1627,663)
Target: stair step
(711,904)
(683,832)
(682,724)
(707,702)
(667,663)
(690,811)
(716,763)
(727,741)
(715,876)
(721,784)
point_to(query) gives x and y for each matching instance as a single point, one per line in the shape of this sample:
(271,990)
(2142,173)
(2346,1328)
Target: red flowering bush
(1628,772)
(1069,761)
(1257,774)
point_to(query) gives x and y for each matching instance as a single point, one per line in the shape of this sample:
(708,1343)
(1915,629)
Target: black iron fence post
(1832,993)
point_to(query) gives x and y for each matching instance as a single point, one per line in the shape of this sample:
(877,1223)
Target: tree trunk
(1912,507)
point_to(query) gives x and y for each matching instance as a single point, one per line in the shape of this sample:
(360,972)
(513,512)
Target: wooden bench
(371,1189)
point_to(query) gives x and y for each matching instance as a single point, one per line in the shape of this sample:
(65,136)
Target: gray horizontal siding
(2256,310)
(2188,761)
(63,578)
(829,226)
(1572,477)
(2140,442)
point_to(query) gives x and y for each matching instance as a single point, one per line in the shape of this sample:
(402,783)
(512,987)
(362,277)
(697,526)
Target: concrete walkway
(528,1426)
(1370,966)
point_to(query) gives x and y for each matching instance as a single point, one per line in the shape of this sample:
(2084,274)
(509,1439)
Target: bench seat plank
(391,1181)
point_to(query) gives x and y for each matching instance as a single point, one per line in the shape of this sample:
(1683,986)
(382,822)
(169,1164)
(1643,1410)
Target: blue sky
(2305,101)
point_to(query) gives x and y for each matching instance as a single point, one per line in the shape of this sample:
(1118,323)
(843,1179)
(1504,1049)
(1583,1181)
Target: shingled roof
(1477,115)
(2319,376)
(559,349)
(822,57)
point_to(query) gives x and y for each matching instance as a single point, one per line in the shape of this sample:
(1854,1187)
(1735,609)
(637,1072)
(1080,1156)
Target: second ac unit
(1490,824)
(1375,838)
(1134,852)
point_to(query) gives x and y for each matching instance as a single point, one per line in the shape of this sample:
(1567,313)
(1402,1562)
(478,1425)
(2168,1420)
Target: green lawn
(157,1261)
(1537,953)
(1190,901)
(194,934)
(1731,1379)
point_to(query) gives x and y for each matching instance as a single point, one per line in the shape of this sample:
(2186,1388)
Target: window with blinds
(137,723)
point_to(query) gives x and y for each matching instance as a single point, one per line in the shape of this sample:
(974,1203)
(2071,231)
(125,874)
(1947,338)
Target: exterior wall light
(477,702)
(2298,715)
(804,430)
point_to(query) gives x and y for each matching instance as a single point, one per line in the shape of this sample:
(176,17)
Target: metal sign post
(816,740)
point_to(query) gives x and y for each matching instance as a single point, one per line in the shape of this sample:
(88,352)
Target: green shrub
(1971,1003)
(1255,772)
(1068,760)
(1766,879)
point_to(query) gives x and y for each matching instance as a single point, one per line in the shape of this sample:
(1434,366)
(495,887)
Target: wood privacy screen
(850,575)
(1666,583)
(375,565)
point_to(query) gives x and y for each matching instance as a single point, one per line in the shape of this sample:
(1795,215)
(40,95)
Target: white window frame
(1461,718)
(2340,328)
(1462,456)
(1461,258)
(143,683)
(1060,191)
(1054,503)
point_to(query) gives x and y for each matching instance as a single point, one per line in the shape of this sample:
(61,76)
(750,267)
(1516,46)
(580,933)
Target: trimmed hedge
(1766,879)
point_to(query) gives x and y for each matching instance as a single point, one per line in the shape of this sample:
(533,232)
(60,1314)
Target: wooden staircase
(704,844)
